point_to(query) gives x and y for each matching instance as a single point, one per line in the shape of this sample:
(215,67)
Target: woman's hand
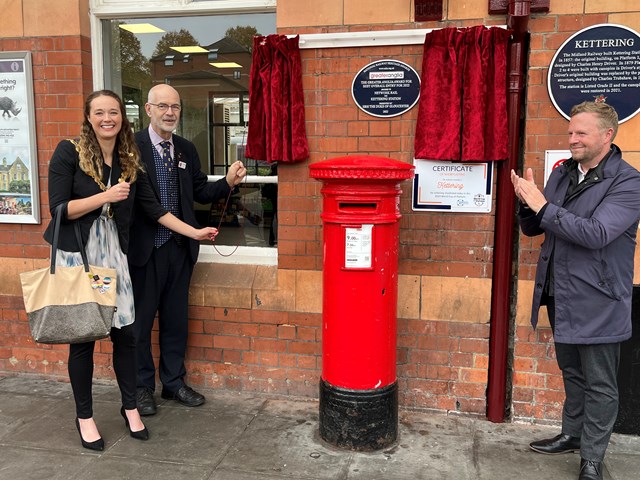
(207,233)
(174,223)
(81,206)
(118,192)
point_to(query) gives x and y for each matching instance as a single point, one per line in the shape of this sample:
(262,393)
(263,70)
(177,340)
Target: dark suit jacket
(193,186)
(67,182)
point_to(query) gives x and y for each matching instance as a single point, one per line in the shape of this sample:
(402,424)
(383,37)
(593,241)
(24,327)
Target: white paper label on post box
(357,248)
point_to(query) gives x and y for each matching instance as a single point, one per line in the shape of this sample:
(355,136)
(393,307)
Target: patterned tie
(166,155)
(163,233)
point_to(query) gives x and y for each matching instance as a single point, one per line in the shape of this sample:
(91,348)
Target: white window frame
(109,9)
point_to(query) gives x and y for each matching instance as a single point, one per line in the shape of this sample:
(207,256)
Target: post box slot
(358,206)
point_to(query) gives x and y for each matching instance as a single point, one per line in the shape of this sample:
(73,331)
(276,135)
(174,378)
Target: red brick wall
(442,363)
(255,351)
(456,245)
(61,79)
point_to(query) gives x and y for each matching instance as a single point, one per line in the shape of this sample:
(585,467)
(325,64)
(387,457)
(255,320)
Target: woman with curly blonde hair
(89,149)
(98,176)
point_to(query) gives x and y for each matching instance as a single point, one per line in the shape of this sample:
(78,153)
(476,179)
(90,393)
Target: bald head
(163,109)
(160,91)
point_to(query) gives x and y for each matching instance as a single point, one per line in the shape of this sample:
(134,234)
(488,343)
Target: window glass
(208,60)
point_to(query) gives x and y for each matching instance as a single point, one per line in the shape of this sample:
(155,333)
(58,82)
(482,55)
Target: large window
(207,58)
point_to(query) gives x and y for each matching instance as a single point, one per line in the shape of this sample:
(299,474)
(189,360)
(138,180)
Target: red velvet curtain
(276,102)
(462,113)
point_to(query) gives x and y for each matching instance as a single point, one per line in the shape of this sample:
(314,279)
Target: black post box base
(362,420)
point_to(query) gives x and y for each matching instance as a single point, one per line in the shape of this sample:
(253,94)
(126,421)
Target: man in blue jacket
(589,214)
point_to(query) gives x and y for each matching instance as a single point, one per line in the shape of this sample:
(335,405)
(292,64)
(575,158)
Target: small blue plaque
(386,88)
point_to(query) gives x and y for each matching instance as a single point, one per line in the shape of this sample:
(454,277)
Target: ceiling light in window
(226,65)
(140,28)
(190,49)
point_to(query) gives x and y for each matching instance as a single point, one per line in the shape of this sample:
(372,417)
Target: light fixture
(168,60)
(226,65)
(190,49)
(237,74)
(213,54)
(140,28)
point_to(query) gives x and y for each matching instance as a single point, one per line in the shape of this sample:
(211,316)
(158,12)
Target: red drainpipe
(517,20)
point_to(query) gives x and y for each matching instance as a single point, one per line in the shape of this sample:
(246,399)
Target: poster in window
(19,201)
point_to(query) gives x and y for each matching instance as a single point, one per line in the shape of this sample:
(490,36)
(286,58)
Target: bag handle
(56,233)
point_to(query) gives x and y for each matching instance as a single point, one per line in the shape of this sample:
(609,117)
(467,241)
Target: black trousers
(124,364)
(589,374)
(162,286)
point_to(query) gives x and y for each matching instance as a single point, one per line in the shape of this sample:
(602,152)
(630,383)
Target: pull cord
(224,210)
(226,204)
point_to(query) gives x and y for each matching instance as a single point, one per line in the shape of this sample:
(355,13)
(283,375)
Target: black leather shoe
(562,443)
(590,470)
(185,395)
(145,402)
(138,434)
(97,445)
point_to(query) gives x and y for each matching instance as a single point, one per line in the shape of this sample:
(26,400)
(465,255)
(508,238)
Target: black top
(68,182)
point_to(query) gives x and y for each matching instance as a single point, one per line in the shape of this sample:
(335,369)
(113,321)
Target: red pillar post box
(358,388)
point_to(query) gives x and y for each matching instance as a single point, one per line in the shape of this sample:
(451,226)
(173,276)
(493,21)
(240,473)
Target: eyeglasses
(163,107)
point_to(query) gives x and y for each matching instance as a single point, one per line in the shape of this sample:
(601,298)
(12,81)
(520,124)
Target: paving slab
(38,464)
(238,436)
(113,467)
(285,446)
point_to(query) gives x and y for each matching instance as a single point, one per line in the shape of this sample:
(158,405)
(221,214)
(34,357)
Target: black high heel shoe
(140,434)
(96,445)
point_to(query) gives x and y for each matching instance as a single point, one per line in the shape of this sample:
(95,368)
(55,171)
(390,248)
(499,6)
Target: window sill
(241,256)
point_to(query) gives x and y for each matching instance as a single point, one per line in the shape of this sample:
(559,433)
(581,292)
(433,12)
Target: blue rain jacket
(591,239)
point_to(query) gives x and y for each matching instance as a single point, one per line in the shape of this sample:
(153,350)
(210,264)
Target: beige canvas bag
(69,304)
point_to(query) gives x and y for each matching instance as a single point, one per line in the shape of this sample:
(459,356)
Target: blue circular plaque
(598,63)
(386,88)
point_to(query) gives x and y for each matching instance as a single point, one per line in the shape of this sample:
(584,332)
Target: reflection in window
(249,217)
(207,60)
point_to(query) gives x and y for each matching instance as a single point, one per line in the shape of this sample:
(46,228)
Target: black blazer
(193,186)
(68,182)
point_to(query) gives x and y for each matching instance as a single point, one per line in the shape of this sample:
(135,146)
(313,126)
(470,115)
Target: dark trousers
(124,364)
(162,286)
(589,373)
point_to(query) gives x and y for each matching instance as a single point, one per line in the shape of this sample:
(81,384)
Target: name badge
(182,165)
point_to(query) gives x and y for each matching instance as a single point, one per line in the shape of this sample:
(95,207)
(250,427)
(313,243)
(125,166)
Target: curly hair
(91,161)
(607,115)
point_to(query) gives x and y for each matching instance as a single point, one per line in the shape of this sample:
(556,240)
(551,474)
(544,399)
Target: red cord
(224,210)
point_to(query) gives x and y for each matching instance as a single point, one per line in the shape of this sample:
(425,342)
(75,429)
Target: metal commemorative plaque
(386,88)
(598,63)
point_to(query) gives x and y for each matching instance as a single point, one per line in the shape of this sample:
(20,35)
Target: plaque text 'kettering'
(605,42)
